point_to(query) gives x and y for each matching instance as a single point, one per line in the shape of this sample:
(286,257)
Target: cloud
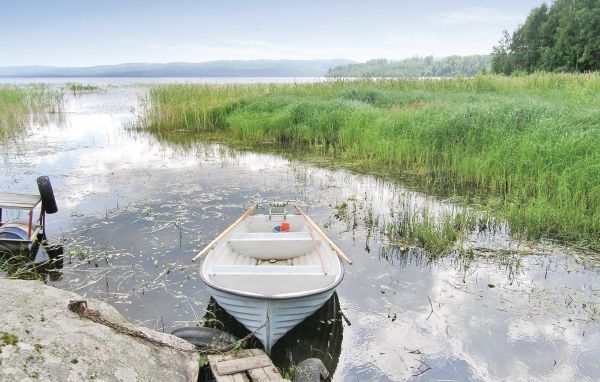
(479,16)
(249,43)
(231,49)
(406,43)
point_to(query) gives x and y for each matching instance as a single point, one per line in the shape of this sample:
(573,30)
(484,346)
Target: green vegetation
(415,67)
(423,231)
(202,360)
(529,144)
(7,339)
(562,37)
(433,232)
(13,110)
(79,88)
(16,102)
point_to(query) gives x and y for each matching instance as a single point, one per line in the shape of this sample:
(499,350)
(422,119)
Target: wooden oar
(318,252)
(323,235)
(212,243)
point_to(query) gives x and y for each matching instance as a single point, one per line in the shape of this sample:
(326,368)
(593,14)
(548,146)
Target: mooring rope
(80,307)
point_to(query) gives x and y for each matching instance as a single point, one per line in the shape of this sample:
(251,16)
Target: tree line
(415,67)
(563,37)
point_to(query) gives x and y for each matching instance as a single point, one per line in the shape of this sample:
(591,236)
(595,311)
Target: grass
(433,233)
(528,144)
(13,110)
(17,102)
(437,236)
(76,87)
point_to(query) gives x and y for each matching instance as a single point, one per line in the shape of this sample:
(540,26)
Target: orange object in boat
(285,226)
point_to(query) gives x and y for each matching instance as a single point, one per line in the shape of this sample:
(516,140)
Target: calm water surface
(134,209)
(111,81)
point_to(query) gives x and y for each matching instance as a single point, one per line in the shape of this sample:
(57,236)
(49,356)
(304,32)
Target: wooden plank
(18,201)
(220,378)
(240,377)
(270,371)
(242,364)
(214,359)
(228,356)
(258,375)
(257,365)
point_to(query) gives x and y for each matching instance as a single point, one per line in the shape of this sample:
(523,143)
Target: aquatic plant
(13,110)
(76,87)
(437,235)
(16,102)
(528,144)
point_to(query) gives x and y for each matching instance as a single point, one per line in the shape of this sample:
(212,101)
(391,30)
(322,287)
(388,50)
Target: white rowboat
(271,281)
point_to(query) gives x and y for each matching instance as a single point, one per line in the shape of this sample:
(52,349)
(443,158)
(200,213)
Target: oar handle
(212,243)
(314,225)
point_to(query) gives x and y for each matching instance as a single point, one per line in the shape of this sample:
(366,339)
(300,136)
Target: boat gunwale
(288,296)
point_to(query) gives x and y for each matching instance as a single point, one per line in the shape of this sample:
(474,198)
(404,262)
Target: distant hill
(253,68)
(415,67)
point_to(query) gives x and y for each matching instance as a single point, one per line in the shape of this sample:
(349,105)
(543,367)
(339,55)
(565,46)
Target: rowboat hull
(271,280)
(269,319)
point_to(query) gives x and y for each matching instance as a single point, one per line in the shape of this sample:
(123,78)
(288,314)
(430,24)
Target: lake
(156,80)
(134,208)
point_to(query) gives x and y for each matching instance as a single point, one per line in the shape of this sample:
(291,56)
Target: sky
(87,33)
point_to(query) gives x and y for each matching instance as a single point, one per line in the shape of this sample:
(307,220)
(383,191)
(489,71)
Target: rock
(40,339)
(311,370)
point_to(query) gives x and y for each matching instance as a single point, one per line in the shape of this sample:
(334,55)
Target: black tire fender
(47,194)
(205,337)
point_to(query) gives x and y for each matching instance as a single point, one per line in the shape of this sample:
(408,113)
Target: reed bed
(75,87)
(529,143)
(17,102)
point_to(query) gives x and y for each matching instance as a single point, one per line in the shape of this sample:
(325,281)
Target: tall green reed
(530,142)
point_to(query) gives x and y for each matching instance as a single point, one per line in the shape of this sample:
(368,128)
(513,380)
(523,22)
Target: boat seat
(273,245)
(268,269)
(271,280)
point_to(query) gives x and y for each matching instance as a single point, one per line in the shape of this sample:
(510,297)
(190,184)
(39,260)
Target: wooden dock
(250,365)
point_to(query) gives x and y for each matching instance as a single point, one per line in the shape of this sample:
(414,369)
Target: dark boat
(23,237)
